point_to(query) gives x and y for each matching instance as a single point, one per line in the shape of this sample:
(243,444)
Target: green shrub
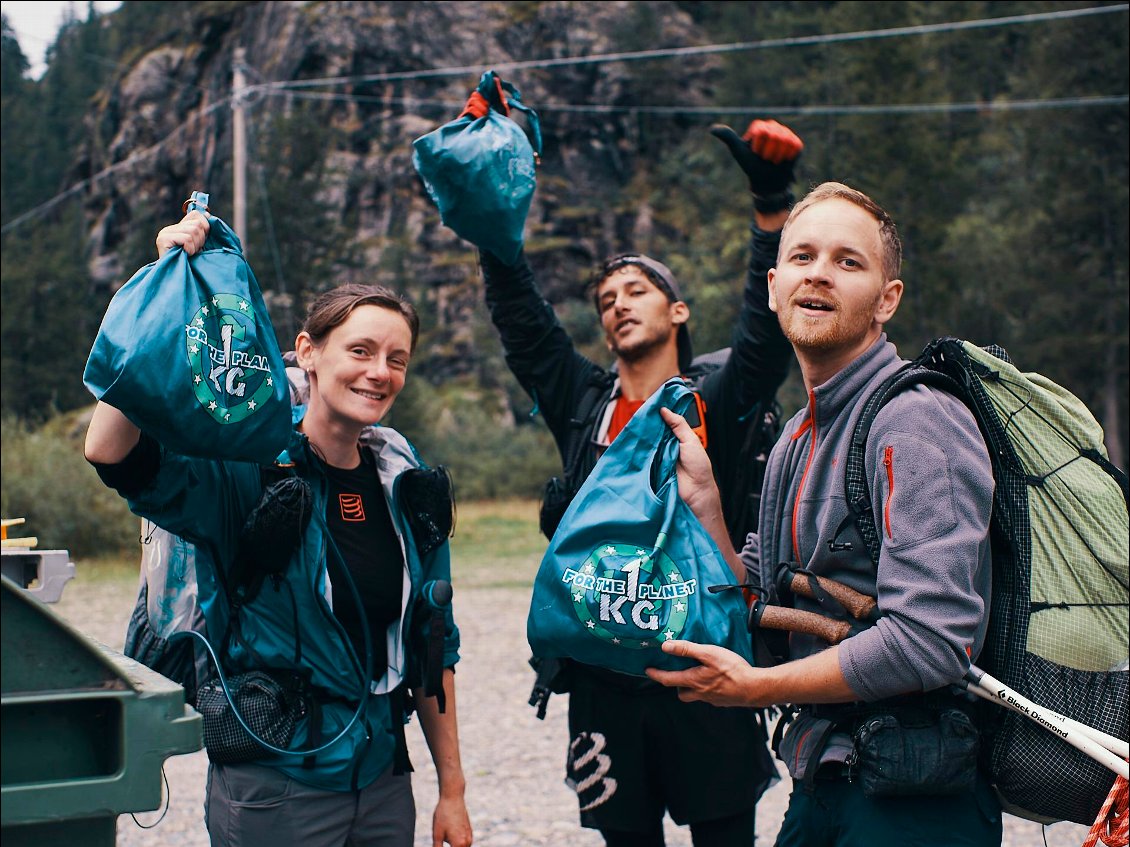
(46,481)
(488,460)
(473,432)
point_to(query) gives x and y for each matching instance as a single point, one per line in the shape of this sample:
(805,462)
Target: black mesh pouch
(270,703)
(427,497)
(271,534)
(899,754)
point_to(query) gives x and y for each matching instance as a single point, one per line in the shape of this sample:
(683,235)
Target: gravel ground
(513,762)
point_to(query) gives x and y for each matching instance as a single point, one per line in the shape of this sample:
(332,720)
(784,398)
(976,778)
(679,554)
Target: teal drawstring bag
(479,171)
(630,565)
(187,352)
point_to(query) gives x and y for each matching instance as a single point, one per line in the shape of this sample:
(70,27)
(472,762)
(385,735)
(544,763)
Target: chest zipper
(889,464)
(810,427)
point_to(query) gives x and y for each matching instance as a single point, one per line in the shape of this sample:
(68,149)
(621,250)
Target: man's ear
(680,312)
(889,301)
(772,290)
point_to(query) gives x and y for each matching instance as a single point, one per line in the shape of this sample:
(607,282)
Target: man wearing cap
(637,751)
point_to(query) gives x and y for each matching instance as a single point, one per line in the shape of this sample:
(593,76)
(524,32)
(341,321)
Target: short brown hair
(888,232)
(332,308)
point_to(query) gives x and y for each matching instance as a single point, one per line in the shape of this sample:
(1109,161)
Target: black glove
(768,153)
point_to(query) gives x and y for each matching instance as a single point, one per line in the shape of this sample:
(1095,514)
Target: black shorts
(636,751)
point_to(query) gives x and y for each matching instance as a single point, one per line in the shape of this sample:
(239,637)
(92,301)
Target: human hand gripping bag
(187,352)
(630,565)
(479,171)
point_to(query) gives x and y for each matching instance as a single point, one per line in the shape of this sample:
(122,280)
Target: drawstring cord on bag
(492,92)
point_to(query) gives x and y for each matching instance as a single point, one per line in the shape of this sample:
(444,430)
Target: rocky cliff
(165,128)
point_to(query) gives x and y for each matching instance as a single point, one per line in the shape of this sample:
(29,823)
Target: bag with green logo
(187,352)
(630,565)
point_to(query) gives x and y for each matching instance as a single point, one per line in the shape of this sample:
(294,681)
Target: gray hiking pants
(251,806)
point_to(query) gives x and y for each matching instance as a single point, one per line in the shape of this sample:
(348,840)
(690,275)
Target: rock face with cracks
(337,92)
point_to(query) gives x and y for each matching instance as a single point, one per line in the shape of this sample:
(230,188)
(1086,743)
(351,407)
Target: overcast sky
(36,22)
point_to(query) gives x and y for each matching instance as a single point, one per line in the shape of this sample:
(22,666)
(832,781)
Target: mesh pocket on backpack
(1034,768)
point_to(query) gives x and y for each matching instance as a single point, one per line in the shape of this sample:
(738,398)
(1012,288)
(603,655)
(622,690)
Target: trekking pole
(1105,749)
(999,691)
(796,620)
(435,597)
(860,606)
(766,616)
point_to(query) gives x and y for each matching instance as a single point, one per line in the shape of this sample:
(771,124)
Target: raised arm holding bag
(479,168)
(187,352)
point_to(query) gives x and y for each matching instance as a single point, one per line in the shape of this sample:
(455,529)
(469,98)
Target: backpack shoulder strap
(763,425)
(581,426)
(918,372)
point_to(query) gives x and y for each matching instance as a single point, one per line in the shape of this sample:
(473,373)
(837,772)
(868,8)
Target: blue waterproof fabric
(630,564)
(187,352)
(480,172)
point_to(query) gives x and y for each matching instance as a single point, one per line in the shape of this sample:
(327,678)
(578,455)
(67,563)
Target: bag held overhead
(629,565)
(187,352)
(479,170)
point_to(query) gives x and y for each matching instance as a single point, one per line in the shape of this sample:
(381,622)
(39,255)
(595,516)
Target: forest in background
(1000,147)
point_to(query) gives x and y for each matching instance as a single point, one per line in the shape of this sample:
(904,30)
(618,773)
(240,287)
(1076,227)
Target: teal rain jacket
(290,624)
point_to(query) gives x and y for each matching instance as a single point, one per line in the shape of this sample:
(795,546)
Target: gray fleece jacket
(931,484)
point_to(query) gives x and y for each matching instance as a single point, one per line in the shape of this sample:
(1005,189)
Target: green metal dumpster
(85,730)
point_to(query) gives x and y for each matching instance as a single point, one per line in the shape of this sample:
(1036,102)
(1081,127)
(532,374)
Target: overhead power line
(978,106)
(755,109)
(293,87)
(706,49)
(125,164)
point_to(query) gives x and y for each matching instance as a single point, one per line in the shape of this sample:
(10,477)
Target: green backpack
(1058,624)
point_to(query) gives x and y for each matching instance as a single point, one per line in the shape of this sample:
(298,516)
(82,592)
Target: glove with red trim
(768,152)
(477,105)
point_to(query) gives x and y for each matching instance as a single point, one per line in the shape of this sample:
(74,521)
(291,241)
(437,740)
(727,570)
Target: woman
(355,563)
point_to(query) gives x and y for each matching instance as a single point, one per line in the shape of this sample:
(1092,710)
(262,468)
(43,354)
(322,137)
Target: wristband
(778,201)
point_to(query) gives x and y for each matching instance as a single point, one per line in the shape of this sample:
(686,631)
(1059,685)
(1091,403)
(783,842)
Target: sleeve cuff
(136,471)
(775,202)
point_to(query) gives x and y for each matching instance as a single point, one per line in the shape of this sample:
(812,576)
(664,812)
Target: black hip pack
(897,755)
(921,744)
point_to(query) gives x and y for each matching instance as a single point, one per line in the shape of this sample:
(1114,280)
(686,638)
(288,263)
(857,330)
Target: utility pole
(239,149)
